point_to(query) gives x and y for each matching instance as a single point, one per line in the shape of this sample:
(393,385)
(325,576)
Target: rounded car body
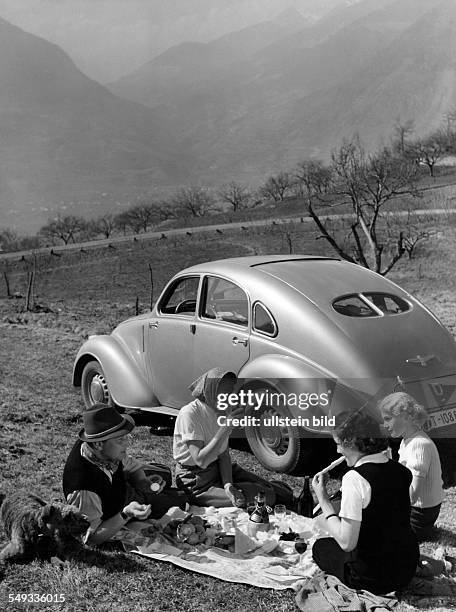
(301,326)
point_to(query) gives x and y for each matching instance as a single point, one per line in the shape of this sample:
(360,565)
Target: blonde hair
(403,403)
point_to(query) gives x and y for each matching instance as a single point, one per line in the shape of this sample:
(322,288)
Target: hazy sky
(109,38)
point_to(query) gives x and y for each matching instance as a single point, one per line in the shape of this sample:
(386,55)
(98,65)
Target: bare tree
(429,150)
(106,224)
(122,222)
(367,184)
(168,209)
(402,130)
(194,200)
(67,229)
(411,227)
(277,187)
(142,217)
(313,175)
(237,195)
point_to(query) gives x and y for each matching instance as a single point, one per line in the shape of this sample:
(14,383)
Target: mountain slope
(194,67)
(413,78)
(302,93)
(64,136)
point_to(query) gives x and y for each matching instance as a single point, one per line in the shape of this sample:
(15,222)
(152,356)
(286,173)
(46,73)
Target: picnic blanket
(270,566)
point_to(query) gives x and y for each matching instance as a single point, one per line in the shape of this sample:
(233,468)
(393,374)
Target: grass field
(41,413)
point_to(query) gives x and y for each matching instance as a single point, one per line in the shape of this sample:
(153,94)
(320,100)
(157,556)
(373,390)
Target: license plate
(441,419)
(438,395)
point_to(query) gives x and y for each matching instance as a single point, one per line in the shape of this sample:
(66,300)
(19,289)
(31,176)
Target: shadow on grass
(443,536)
(111,562)
(111,559)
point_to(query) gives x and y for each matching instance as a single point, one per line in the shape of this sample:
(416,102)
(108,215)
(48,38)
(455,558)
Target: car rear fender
(285,374)
(127,385)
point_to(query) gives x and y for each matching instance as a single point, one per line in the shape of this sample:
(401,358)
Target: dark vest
(81,475)
(387,547)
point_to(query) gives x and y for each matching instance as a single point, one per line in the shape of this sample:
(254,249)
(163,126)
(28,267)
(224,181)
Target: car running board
(161,410)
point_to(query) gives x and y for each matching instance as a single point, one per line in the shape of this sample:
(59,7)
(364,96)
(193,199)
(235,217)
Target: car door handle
(153,324)
(237,340)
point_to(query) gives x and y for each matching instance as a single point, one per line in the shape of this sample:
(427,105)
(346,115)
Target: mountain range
(359,69)
(240,107)
(109,38)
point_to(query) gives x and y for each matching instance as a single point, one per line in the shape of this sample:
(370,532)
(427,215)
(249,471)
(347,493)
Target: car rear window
(387,303)
(370,304)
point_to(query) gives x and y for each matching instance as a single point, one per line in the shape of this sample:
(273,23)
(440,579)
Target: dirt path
(189,231)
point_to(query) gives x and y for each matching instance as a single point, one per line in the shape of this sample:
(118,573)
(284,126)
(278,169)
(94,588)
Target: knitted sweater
(420,455)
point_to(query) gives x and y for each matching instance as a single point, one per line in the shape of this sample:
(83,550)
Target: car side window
(263,321)
(181,297)
(224,301)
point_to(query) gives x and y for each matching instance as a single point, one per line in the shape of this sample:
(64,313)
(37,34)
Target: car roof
(321,279)
(251,261)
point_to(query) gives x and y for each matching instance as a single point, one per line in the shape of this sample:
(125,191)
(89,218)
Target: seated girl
(200,447)
(372,545)
(404,417)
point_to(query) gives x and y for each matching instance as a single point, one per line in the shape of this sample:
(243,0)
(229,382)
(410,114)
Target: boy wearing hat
(99,477)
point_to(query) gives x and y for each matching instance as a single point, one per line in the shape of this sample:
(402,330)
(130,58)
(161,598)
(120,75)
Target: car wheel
(94,386)
(279,448)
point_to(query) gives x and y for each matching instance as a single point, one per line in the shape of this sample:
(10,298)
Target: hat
(102,422)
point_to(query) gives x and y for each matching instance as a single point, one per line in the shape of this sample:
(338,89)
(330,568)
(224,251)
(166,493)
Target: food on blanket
(193,539)
(151,530)
(226,542)
(184,531)
(291,536)
(197,521)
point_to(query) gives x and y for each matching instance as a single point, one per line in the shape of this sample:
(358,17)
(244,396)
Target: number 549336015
(36,597)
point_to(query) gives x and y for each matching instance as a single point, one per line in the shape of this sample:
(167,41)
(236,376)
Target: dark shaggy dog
(38,530)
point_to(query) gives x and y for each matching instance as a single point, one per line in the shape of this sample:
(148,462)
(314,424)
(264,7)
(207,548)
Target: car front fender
(127,385)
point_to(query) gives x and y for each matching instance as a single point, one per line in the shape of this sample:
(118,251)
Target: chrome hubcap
(274,438)
(99,391)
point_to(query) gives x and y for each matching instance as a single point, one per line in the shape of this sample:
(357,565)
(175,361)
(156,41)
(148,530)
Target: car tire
(94,386)
(279,449)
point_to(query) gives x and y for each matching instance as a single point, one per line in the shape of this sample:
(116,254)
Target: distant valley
(240,107)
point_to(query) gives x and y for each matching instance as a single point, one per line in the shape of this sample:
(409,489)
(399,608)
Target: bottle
(259,519)
(305,499)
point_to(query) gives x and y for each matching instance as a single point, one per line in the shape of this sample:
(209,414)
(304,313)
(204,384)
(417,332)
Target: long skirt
(379,577)
(205,487)
(422,521)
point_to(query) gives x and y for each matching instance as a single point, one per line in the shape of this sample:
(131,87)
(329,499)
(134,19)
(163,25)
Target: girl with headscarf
(200,447)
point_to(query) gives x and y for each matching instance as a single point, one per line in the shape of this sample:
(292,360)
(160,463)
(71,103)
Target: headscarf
(205,388)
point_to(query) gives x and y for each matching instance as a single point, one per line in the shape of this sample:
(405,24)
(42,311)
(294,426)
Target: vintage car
(312,326)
